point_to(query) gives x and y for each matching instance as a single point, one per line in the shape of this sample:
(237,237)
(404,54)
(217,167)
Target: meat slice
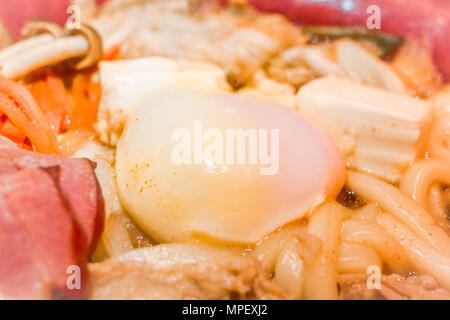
(7,167)
(51,216)
(32,197)
(223,278)
(21,277)
(392,287)
(79,186)
(77,182)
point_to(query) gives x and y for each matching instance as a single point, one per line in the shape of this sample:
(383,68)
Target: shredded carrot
(86,99)
(9,130)
(47,109)
(22,110)
(112,53)
(52,97)
(68,109)
(73,140)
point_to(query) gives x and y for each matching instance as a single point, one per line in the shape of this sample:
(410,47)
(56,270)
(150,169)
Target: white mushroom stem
(26,44)
(44,54)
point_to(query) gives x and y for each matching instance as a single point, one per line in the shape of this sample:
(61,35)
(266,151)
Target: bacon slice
(7,167)
(57,242)
(51,216)
(21,277)
(77,181)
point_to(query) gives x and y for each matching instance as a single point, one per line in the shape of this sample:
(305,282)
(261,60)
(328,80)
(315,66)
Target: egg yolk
(221,166)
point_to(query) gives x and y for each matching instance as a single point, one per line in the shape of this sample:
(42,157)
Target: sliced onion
(177,254)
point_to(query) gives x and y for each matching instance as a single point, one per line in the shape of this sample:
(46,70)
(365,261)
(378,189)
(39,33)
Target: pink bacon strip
(51,216)
(52,240)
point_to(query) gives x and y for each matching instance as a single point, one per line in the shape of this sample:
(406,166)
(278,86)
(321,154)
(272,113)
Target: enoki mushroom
(82,46)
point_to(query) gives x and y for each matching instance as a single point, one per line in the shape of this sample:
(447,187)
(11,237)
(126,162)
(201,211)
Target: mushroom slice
(43,50)
(19,47)
(5,36)
(36,27)
(94,52)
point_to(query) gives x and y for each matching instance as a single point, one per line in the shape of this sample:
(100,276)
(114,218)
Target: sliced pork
(21,276)
(224,278)
(32,197)
(51,215)
(392,287)
(77,182)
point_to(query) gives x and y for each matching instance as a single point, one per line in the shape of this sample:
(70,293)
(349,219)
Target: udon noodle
(399,229)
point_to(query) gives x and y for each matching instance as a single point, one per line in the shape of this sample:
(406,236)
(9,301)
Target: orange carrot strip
(52,97)
(112,53)
(73,140)
(86,99)
(21,108)
(9,130)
